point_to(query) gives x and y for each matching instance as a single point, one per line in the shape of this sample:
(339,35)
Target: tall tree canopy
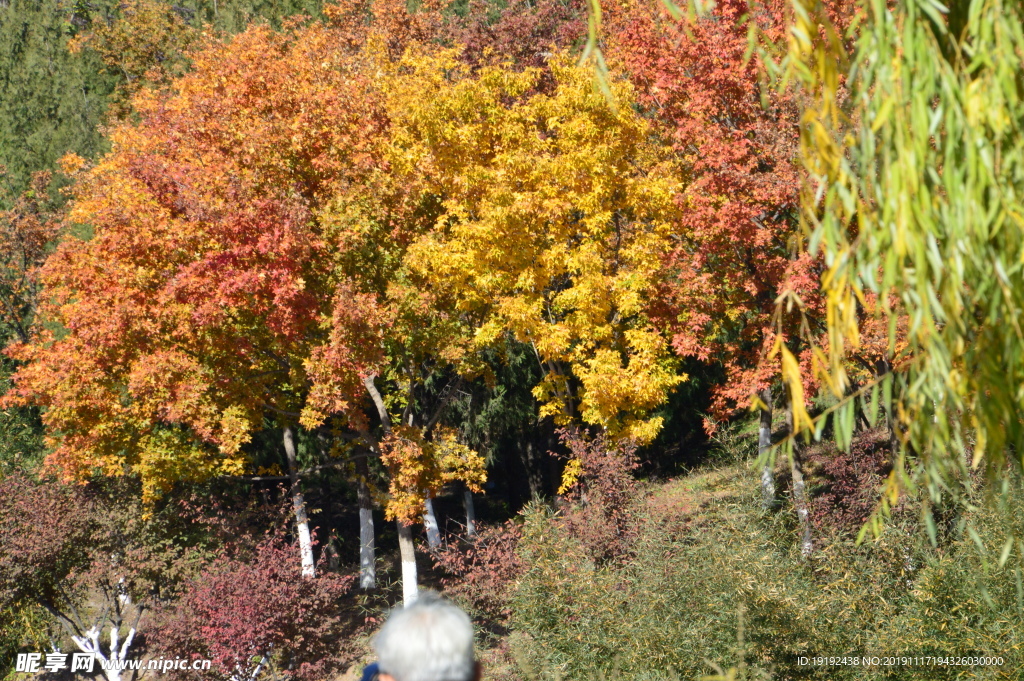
(206,292)
(247,248)
(554,210)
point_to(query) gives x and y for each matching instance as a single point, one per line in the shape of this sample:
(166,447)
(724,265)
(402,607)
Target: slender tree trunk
(467,501)
(367,549)
(883,367)
(796,466)
(409,578)
(430,522)
(534,479)
(299,505)
(764,443)
(410,585)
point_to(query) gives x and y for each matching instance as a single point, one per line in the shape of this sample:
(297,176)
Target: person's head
(431,640)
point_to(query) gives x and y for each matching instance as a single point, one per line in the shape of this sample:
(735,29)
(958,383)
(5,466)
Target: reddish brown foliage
(484,569)
(239,610)
(26,230)
(852,481)
(524,33)
(602,511)
(43,531)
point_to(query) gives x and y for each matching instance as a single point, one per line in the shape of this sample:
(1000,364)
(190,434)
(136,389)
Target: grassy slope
(707,551)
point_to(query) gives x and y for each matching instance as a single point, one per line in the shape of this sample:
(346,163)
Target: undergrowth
(701,549)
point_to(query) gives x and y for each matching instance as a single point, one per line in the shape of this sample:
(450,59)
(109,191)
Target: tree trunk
(89,642)
(883,367)
(430,522)
(405,546)
(409,579)
(467,501)
(764,443)
(299,505)
(796,467)
(367,549)
(534,479)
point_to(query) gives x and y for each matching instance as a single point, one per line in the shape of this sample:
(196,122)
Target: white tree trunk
(430,522)
(109,662)
(367,550)
(410,588)
(299,505)
(796,467)
(764,443)
(467,501)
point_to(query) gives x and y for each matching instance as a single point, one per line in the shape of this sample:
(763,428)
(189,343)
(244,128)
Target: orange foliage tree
(237,269)
(204,300)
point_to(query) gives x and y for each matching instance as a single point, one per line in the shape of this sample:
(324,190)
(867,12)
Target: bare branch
(378,401)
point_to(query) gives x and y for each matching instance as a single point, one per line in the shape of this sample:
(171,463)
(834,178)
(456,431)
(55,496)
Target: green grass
(706,552)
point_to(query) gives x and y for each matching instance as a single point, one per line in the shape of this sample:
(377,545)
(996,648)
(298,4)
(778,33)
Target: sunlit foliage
(914,200)
(555,210)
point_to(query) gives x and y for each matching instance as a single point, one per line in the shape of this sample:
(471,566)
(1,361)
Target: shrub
(483,570)
(602,495)
(44,531)
(246,614)
(847,491)
(674,604)
(962,601)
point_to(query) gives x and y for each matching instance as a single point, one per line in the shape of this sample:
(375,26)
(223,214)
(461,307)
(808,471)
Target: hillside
(706,556)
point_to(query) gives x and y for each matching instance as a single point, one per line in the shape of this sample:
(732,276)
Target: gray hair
(430,640)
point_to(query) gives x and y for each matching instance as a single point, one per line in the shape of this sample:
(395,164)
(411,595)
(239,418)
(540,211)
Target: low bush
(481,571)
(846,485)
(672,607)
(601,495)
(250,613)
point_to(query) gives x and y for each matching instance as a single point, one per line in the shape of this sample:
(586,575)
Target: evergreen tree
(51,101)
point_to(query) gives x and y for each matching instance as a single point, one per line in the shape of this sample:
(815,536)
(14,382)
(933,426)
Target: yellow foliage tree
(554,213)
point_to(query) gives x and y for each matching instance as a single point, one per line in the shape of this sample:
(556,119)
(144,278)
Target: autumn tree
(202,301)
(521,33)
(27,229)
(552,206)
(236,271)
(736,246)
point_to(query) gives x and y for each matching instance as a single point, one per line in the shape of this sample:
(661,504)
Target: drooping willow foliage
(915,157)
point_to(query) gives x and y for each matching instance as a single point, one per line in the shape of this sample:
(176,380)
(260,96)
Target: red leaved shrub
(524,32)
(602,509)
(483,570)
(44,528)
(848,491)
(248,614)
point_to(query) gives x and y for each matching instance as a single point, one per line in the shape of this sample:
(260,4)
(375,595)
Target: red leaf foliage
(242,609)
(44,529)
(602,511)
(852,482)
(206,294)
(484,569)
(26,231)
(735,246)
(524,33)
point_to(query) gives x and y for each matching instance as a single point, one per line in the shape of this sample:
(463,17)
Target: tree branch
(266,478)
(378,401)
